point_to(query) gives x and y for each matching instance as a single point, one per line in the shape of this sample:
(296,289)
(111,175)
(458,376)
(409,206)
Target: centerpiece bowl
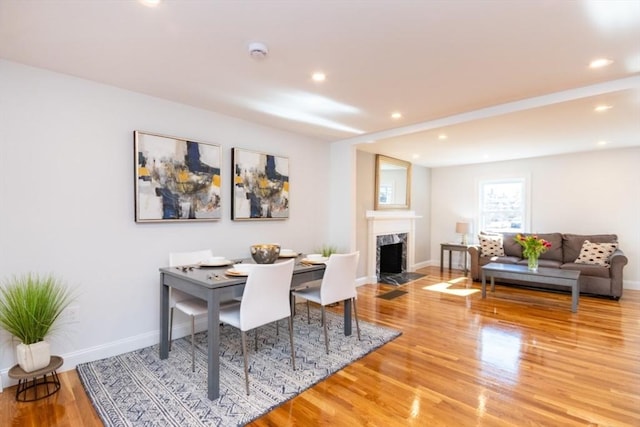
(265,253)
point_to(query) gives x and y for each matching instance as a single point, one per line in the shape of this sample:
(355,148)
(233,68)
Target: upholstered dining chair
(188,304)
(337,284)
(265,300)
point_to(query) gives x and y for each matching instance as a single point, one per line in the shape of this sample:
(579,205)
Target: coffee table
(554,276)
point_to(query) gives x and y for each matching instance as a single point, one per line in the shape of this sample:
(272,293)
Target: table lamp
(462,228)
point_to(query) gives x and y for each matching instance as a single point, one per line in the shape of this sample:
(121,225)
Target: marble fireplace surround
(383,223)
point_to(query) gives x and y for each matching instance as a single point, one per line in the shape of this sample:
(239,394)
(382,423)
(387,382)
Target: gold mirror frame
(386,167)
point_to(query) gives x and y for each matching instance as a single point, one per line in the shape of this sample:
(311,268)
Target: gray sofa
(565,248)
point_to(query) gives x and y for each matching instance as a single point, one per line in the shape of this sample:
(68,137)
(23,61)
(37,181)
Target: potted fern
(29,307)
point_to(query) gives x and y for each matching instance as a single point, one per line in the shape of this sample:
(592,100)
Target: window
(385,194)
(503,205)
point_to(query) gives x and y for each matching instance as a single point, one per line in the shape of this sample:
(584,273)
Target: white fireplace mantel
(381,223)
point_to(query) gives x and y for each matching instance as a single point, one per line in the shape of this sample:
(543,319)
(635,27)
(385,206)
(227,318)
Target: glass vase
(533,262)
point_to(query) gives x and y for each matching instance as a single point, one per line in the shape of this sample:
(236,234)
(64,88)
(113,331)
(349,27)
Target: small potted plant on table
(29,306)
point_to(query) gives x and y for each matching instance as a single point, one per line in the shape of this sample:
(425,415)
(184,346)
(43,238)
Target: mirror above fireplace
(393,183)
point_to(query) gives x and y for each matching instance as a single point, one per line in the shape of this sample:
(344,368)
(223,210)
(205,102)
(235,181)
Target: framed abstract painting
(260,186)
(176,179)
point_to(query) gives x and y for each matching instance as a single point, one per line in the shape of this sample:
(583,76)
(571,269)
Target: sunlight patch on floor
(444,287)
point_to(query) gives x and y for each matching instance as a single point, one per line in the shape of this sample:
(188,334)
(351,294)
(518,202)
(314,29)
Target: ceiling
(502,80)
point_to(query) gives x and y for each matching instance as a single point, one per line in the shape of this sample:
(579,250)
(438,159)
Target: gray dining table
(213,285)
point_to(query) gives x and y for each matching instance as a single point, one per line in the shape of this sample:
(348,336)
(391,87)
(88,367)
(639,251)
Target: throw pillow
(491,245)
(596,253)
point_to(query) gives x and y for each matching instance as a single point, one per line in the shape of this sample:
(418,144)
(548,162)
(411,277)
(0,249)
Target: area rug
(392,294)
(139,389)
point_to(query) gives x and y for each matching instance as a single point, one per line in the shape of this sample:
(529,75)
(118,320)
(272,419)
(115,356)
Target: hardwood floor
(518,357)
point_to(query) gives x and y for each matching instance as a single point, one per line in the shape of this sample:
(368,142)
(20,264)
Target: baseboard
(112,349)
(424,264)
(631,284)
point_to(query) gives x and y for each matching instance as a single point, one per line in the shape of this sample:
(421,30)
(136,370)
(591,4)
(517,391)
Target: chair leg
(277,328)
(292,303)
(246,360)
(170,326)
(355,314)
(193,344)
(308,315)
(256,339)
(326,335)
(293,351)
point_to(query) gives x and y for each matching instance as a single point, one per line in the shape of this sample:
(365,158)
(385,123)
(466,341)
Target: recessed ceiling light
(601,108)
(602,143)
(442,136)
(416,156)
(318,76)
(150,3)
(600,62)
(396,115)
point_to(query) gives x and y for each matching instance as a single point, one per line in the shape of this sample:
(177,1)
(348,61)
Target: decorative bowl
(265,253)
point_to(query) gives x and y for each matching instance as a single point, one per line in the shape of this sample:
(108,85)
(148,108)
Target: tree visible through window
(503,205)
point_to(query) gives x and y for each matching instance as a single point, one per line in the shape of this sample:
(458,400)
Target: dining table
(215,285)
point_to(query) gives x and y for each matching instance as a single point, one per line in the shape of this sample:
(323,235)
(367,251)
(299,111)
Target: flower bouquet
(533,247)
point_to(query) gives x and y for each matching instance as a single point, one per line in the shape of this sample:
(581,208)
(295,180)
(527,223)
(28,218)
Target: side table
(453,247)
(37,380)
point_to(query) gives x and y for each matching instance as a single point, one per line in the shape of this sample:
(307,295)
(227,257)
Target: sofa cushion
(491,245)
(511,247)
(555,251)
(596,253)
(588,269)
(572,244)
(499,259)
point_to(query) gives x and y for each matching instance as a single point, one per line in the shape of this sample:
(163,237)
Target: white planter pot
(33,356)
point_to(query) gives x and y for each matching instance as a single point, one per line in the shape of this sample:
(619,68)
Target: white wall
(66,188)
(586,193)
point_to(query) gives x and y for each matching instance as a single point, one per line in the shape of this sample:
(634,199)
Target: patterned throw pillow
(491,245)
(596,253)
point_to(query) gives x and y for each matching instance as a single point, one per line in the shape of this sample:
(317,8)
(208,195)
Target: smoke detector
(258,50)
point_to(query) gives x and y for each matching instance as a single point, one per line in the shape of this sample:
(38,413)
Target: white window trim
(525,178)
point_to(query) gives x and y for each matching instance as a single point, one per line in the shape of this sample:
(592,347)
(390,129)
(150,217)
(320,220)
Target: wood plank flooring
(517,358)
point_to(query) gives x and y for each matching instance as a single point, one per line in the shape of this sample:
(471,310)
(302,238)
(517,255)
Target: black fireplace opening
(391,258)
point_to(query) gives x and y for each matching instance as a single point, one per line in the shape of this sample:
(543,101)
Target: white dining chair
(337,284)
(188,304)
(265,300)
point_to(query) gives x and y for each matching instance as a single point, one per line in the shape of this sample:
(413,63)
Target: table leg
(164,318)
(347,317)
(484,285)
(493,284)
(213,342)
(465,263)
(574,297)
(441,259)
(450,252)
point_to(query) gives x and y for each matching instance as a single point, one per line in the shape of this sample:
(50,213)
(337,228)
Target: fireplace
(395,229)
(391,254)
(391,258)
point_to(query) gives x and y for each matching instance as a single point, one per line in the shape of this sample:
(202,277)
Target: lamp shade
(462,227)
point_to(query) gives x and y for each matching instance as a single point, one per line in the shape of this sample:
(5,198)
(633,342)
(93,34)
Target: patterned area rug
(139,389)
